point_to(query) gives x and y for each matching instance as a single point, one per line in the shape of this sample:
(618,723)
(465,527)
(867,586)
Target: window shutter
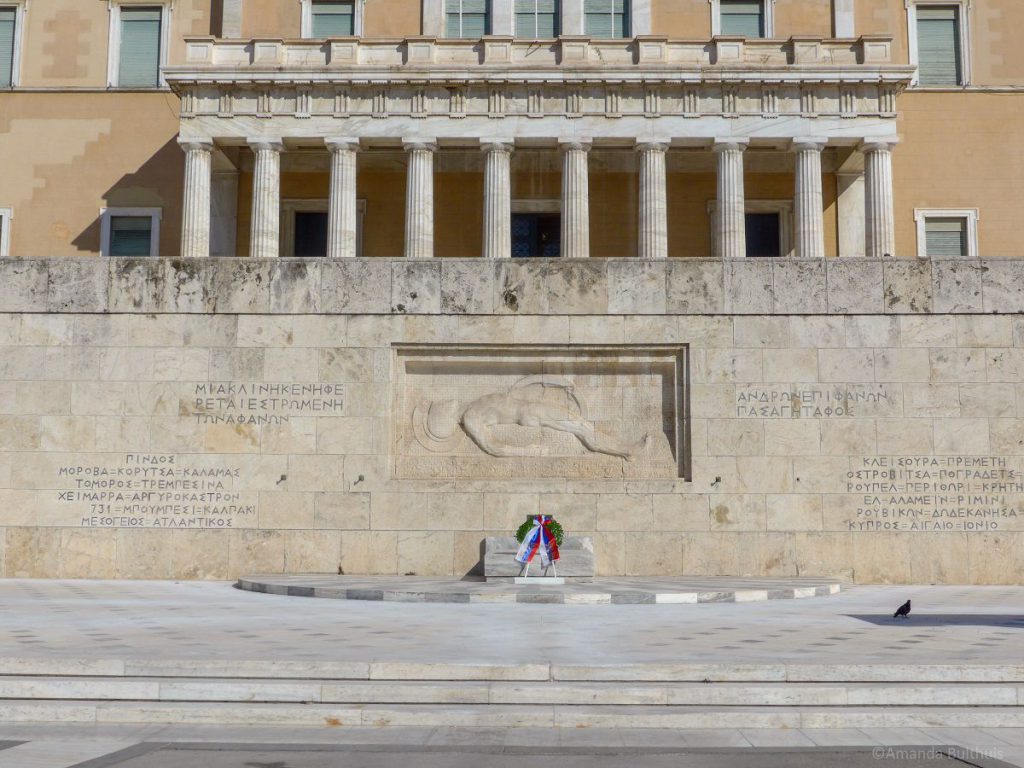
(7,19)
(130,235)
(536,19)
(547,18)
(467,19)
(945,237)
(333,19)
(605,18)
(938,45)
(140,48)
(742,17)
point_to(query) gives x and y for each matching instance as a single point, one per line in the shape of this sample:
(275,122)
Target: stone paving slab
(597,591)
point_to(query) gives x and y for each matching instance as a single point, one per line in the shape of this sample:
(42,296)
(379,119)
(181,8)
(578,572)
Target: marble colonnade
(653,208)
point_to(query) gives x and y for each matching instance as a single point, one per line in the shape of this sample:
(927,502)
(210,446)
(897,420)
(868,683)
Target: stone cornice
(508,287)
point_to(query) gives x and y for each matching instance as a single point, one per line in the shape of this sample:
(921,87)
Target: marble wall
(204,419)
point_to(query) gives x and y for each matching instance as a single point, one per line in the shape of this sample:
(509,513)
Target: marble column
(497,199)
(879,216)
(653,229)
(575,199)
(808,204)
(195,211)
(265,237)
(730,221)
(341,208)
(419,199)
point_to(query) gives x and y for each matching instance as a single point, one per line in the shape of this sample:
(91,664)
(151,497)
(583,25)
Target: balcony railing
(688,59)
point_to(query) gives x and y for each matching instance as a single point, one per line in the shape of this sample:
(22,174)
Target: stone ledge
(602,591)
(528,287)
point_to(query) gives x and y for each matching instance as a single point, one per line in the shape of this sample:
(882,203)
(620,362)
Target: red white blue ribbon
(540,541)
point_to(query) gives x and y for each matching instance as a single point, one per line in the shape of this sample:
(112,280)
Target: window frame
(20,9)
(963,34)
(768,10)
(114,42)
(291,206)
(785,210)
(970,215)
(627,21)
(488,18)
(6,217)
(306,24)
(515,21)
(106,214)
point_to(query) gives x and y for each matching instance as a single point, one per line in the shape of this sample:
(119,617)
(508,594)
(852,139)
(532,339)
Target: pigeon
(903,610)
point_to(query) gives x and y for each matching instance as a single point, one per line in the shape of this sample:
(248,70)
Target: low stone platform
(411,589)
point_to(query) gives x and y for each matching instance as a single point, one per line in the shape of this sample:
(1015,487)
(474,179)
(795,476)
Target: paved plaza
(103,628)
(212,620)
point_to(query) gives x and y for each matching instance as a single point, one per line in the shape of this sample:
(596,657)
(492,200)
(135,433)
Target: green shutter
(945,237)
(536,19)
(467,19)
(605,18)
(742,17)
(130,235)
(938,45)
(140,48)
(333,19)
(7,19)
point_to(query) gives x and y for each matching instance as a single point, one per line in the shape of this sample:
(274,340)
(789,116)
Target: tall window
(334,19)
(938,45)
(536,19)
(467,18)
(139,46)
(6,214)
(742,17)
(606,18)
(8,20)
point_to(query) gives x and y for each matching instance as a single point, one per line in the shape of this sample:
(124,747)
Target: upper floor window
(742,17)
(467,18)
(9,39)
(536,19)
(137,45)
(939,58)
(333,19)
(606,18)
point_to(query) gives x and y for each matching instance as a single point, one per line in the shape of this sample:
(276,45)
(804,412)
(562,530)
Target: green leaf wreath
(553,525)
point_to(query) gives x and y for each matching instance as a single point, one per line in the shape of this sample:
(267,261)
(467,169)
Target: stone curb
(565,595)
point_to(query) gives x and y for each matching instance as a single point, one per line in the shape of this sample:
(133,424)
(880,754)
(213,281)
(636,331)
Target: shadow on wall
(917,620)
(156,184)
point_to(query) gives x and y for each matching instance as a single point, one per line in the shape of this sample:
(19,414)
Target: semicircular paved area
(583,592)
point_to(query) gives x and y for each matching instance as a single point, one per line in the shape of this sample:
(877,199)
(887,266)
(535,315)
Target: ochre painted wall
(65,157)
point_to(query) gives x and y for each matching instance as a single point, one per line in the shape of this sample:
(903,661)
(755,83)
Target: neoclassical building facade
(509,128)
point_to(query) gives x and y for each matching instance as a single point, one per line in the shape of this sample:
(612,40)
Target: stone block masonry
(207,418)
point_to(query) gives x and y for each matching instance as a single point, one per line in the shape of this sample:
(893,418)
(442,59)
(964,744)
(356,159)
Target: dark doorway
(536,234)
(763,234)
(310,233)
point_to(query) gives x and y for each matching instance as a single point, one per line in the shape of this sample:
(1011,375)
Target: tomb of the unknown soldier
(511,382)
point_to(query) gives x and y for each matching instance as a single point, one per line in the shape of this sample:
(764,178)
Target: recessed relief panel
(518,412)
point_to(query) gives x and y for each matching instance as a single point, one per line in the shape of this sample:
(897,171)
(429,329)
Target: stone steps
(540,672)
(505,716)
(483,692)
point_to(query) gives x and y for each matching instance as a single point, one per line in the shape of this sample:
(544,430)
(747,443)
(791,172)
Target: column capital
(342,143)
(419,144)
(652,145)
(196,145)
(272,144)
(575,143)
(816,143)
(497,145)
(730,144)
(878,145)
